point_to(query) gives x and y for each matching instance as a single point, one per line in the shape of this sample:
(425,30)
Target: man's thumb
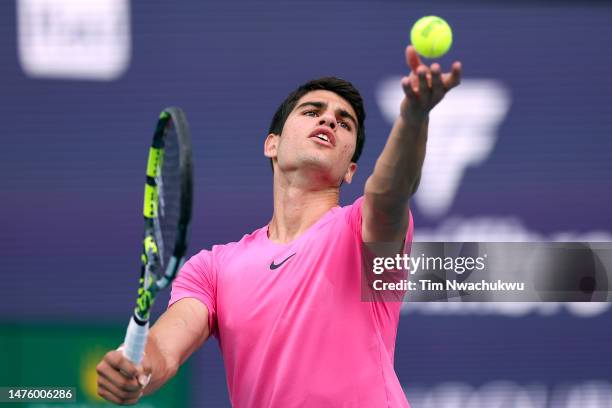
(143,379)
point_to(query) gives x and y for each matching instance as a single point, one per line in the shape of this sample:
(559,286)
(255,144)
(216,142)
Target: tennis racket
(167,213)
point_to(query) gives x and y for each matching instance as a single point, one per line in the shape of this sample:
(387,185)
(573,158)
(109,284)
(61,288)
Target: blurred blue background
(519,152)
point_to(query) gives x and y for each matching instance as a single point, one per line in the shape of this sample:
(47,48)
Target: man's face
(319,138)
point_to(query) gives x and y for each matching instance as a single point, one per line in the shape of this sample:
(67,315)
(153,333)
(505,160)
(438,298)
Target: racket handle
(135,341)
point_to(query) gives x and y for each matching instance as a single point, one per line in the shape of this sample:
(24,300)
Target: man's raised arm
(397,171)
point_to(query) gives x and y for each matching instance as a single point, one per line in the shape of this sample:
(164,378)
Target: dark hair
(336,85)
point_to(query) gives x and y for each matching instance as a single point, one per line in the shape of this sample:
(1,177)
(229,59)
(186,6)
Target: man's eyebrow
(345,114)
(321,105)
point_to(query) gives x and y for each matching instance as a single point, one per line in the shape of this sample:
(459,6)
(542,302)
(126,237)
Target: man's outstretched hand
(425,86)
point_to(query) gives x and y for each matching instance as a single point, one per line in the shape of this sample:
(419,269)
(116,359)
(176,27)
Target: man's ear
(271,145)
(350,172)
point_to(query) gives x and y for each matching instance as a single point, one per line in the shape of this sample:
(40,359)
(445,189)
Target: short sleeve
(198,279)
(354,219)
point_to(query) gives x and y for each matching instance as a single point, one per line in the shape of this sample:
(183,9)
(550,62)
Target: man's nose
(328,119)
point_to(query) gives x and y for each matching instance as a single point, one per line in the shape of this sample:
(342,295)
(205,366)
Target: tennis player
(285,301)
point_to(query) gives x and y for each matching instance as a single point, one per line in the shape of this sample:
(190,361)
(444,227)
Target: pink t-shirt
(290,321)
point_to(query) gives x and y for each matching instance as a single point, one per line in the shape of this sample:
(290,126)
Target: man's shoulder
(230,247)
(351,214)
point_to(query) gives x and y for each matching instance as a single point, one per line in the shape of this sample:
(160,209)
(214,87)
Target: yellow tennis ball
(431,36)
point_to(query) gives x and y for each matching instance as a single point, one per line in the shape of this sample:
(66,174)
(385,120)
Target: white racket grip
(135,341)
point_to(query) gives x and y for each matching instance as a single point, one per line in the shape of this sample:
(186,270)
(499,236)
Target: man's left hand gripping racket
(167,213)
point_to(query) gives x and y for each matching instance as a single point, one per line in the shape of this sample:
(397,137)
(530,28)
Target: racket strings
(169,196)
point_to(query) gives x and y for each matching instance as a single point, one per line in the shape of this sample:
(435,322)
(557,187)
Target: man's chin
(324,165)
(318,169)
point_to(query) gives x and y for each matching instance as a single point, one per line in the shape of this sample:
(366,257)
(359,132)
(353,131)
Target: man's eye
(345,125)
(310,113)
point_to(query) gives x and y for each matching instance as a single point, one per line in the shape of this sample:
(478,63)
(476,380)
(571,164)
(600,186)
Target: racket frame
(138,327)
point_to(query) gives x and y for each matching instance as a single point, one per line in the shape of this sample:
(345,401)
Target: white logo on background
(77,39)
(462,133)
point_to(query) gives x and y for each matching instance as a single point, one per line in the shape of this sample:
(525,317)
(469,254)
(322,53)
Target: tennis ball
(431,36)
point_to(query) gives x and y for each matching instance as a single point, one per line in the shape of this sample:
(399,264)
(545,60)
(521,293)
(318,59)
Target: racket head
(167,206)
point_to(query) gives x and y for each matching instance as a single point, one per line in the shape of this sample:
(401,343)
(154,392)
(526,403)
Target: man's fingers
(109,396)
(437,86)
(144,379)
(426,86)
(144,372)
(116,391)
(424,91)
(116,377)
(412,58)
(453,78)
(117,360)
(415,64)
(118,380)
(144,376)
(408,89)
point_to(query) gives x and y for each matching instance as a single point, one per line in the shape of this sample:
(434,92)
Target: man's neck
(297,206)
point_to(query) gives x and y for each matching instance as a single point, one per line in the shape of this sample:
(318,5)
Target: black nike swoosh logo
(274,266)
